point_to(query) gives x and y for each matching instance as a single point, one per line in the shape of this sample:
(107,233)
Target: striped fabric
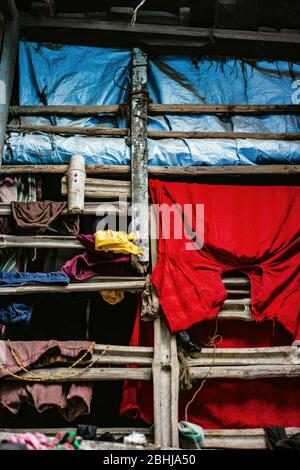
(22,189)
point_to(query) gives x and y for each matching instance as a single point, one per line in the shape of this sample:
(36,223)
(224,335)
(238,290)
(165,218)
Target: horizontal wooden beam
(100,131)
(279,355)
(111,354)
(239,315)
(116,432)
(170,171)
(144,31)
(63,130)
(224,109)
(155,108)
(92,286)
(64,110)
(252,372)
(102,188)
(238,438)
(292,136)
(96,374)
(90,208)
(40,241)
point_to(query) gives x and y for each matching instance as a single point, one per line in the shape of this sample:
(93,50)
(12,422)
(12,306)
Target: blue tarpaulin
(81,75)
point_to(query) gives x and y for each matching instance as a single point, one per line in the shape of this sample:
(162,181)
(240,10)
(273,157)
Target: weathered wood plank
(238,438)
(223,109)
(165,372)
(290,136)
(40,241)
(116,432)
(242,315)
(139,158)
(92,286)
(7,67)
(252,372)
(280,355)
(93,374)
(173,171)
(30,24)
(63,110)
(64,130)
(156,108)
(165,385)
(102,188)
(90,208)
(99,131)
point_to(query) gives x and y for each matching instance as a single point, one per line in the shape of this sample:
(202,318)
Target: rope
(42,378)
(213,341)
(185,379)
(149,311)
(133,19)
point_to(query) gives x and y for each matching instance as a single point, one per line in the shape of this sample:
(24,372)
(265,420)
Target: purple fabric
(91,263)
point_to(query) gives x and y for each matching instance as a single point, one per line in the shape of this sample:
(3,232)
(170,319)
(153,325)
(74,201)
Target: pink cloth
(91,263)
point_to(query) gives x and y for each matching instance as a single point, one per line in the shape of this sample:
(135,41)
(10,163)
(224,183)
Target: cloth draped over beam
(50,75)
(224,404)
(251,229)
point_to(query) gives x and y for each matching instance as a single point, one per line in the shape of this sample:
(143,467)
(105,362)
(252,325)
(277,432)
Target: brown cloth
(71,399)
(35,218)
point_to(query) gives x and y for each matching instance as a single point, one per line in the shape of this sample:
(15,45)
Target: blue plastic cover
(77,75)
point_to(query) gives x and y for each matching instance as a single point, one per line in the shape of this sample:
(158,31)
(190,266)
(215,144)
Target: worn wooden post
(7,64)
(165,369)
(76,177)
(139,158)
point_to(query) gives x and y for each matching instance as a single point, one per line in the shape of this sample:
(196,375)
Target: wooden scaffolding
(160,363)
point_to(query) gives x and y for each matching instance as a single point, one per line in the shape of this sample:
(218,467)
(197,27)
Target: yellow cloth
(112,296)
(118,242)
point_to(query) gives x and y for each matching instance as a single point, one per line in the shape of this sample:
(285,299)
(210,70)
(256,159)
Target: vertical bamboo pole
(165,371)
(139,158)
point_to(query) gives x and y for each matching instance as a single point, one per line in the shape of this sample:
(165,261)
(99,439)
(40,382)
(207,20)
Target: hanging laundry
(252,229)
(15,313)
(118,242)
(17,188)
(70,399)
(91,263)
(113,297)
(20,188)
(36,218)
(21,279)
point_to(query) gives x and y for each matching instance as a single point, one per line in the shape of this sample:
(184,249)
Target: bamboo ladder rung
(102,189)
(90,208)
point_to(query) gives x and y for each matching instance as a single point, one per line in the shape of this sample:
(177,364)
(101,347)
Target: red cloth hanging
(252,229)
(224,404)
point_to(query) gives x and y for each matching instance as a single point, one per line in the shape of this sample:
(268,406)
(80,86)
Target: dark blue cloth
(20,279)
(15,313)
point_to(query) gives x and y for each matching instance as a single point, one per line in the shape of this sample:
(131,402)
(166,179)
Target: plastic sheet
(73,75)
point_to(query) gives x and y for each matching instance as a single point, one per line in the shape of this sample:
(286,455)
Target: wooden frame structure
(159,363)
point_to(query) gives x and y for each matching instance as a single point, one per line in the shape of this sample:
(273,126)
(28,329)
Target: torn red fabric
(252,229)
(225,404)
